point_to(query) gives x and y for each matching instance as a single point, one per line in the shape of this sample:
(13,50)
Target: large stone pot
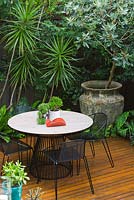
(98,99)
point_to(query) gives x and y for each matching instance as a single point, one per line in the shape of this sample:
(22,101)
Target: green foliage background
(79,20)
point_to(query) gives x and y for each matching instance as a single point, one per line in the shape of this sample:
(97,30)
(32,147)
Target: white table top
(27,123)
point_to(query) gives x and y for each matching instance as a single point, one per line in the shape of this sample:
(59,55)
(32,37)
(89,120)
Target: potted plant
(55,103)
(43,109)
(15,171)
(49,110)
(108,27)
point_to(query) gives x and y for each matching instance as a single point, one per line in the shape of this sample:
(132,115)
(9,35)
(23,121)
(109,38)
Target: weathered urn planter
(98,99)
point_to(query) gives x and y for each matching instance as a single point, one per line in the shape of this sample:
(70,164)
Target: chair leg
(107,150)
(3,161)
(37,171)
(29,140)
(29,153)
(78,167)
(19,154)
(35,163)
(55,180)
(88,174)
(72,168)
(92,148)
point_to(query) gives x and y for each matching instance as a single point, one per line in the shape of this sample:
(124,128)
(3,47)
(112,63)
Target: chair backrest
(99,124)
(13,146)
(72,150)
(8,147)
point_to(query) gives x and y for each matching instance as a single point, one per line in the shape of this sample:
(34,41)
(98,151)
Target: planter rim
(16,186)
(92,85)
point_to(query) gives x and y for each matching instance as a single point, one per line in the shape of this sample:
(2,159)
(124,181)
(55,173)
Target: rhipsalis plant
(34,194)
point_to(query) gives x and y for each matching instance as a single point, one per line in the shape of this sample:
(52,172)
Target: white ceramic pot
(54,114)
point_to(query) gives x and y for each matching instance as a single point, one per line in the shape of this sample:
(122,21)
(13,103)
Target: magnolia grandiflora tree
(107,25)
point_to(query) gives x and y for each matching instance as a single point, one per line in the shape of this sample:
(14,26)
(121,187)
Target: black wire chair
(15,146)
(96,133)
(68,152)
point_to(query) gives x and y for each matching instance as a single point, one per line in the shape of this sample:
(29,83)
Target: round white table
(27,123)
(48,136)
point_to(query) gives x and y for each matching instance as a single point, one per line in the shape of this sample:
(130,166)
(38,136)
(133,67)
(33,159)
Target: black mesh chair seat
(67,152)
(57,157)
(96,133)
(12,147)
(90,135)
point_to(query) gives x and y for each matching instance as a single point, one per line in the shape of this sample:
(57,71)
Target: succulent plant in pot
(55,103)
(50,109)
(16,172)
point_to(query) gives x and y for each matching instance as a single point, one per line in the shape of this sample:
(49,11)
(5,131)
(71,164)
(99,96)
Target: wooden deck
(109,183)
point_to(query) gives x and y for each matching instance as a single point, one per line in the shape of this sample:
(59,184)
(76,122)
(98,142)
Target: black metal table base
(41,167)
(46,171)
